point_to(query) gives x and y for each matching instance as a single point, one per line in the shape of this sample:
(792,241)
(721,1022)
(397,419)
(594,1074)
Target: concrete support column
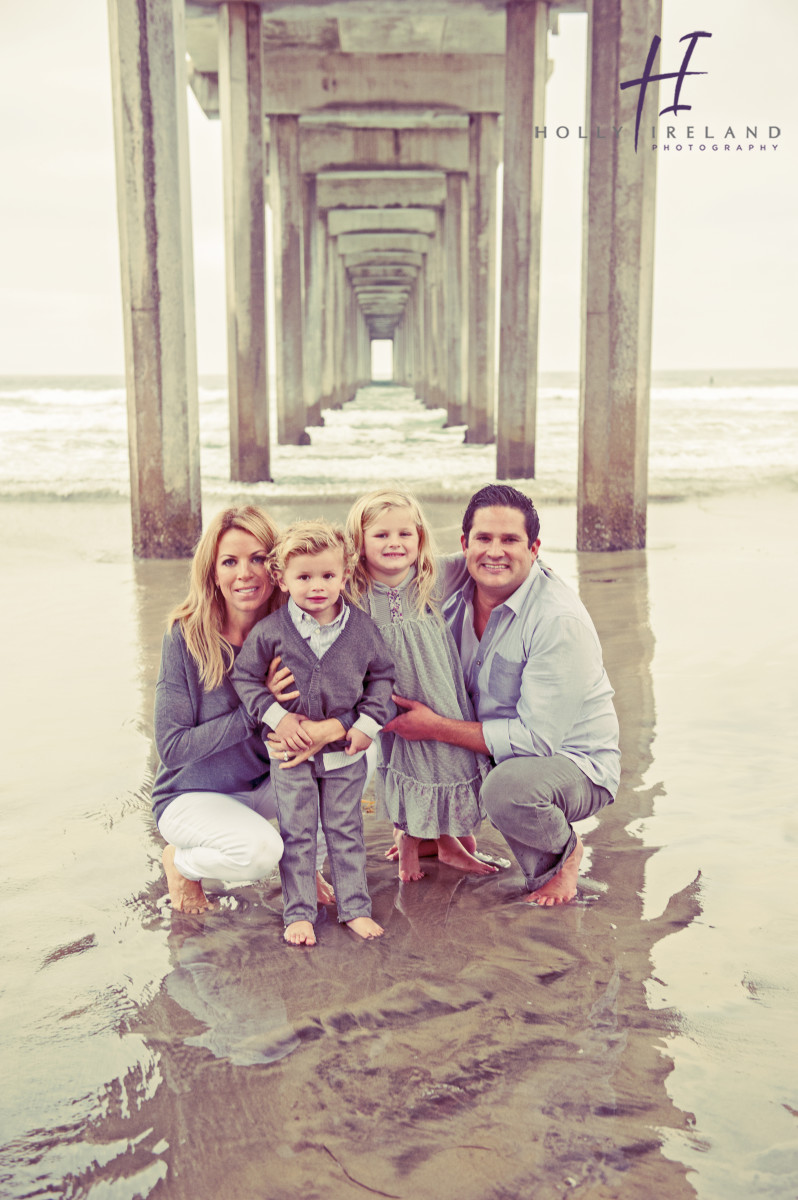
(419,317)
(331,256)
(353,337)
(483,163)
(313,340)
(456,298)
(438,324)
(340,334)
(364,359)
(396,354)
(428,297)
(241,111)
(526,66)
(618,259)
(408,326)
(148,71)
(287,208)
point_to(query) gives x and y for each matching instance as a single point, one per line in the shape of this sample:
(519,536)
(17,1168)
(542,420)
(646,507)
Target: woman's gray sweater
(205,740)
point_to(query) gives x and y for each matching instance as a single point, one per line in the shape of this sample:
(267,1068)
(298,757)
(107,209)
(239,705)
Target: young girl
(430,790)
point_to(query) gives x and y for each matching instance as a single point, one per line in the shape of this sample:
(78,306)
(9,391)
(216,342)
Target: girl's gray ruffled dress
(425,788)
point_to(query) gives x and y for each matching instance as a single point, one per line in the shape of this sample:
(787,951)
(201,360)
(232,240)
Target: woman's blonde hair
(311,537)
(368,509)
(202,614)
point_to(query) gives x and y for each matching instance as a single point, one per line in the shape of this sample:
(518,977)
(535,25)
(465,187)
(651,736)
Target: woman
(212,798)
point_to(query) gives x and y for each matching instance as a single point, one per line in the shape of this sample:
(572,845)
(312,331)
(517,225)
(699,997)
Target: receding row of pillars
(428,282)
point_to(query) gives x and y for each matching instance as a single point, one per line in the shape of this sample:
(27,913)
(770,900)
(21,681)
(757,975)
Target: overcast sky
(727,246)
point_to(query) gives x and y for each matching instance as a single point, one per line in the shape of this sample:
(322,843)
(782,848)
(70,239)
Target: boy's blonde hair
(368,509)
(311,537)
(201,616)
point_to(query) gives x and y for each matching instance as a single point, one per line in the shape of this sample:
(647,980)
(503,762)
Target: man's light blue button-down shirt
(536,677)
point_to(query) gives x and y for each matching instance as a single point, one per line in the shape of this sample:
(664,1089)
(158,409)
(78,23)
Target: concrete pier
(618,269)
(150,125)
(241,110)
(376,128)
(522,205)
(286,192)
(484,162)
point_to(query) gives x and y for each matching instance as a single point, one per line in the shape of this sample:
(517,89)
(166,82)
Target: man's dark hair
(501,495)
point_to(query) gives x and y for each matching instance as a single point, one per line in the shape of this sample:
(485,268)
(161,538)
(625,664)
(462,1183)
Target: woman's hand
(278,679)
(321,733)
(291,731)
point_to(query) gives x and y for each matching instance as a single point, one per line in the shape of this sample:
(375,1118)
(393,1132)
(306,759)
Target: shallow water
(638,1043)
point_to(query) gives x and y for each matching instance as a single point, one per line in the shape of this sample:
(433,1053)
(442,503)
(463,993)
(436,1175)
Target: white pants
(219,836)
(228,836)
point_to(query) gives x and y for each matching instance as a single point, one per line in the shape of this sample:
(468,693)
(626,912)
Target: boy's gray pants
(302,793)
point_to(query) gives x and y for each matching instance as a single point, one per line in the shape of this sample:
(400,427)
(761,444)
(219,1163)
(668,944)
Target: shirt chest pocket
(504,681)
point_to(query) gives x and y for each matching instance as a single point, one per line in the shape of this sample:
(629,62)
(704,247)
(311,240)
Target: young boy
(343,670)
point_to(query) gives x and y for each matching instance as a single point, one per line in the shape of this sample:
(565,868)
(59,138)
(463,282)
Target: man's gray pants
(532,802)
(302,793)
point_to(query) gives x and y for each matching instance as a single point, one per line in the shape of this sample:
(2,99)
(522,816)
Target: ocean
(65,438)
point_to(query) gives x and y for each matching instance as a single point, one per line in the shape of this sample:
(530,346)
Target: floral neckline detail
(399,587)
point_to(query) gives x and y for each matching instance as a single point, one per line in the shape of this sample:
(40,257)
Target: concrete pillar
(483,156)
(148,72)
(618,259)
(331,256)
(456,298)
(396,355)
(340,332)
(438,324)
(364,351)
(287,207)
(526,66)
(241,111)
(313,339)
(428,298)
(420,340)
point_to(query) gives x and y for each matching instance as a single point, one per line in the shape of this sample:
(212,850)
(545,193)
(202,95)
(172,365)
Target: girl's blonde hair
(365,512)
(202,614)
(311,537)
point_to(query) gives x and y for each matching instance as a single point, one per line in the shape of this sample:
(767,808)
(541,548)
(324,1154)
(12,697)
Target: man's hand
(358,740)
(418,724)
(278,679)
(321,734)
(292,734)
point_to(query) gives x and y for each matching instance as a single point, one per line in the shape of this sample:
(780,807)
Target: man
(533,668)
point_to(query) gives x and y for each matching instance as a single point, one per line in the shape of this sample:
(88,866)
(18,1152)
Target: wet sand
(638,1043)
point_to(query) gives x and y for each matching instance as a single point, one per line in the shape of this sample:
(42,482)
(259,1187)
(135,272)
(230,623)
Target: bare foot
(428,847)
(324,890)
(300,933)
(409,869)
(186,895)
(561,887)
(452,852)
(364,927)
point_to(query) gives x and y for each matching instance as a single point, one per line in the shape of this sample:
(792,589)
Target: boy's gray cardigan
(353,677)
